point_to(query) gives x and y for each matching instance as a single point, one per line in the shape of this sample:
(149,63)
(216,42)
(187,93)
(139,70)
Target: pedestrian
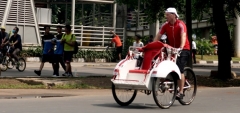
(48,49)
(68,39)
(118,44)
(194,51)
(58,53)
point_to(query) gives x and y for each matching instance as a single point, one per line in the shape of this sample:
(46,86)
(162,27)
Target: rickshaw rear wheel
(128,101)
(162,87)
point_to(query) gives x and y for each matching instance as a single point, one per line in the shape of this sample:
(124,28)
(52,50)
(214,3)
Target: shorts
(47,58)
(68,55)
(119,49)
(57,58)
(182,60)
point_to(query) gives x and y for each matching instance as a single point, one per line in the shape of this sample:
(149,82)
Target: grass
(103,83)
(211,82)
(15,84)
(72,83)
(213,57)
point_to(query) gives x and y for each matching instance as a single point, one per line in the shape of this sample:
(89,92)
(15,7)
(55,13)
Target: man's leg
(15,52)
(68,58)
(44,59)
(181,62)
(181,83)
(56,65)
(70,67)
(120,56)
(119,51)
(61,61)
(194,55)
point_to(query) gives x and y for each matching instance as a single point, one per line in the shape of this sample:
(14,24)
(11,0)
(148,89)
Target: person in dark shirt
(4,37)
(150,39)
(48,49)
(58,53)
(16,43)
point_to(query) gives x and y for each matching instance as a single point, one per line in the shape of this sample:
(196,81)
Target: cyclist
(15,43)
(176,32)
(4,37)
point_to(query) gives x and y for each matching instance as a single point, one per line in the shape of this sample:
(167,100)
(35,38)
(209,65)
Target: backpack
(75,51)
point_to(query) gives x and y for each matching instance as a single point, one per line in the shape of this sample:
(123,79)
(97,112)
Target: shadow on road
(131,106)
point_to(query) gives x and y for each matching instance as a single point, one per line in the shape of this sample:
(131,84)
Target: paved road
(82,70)
(208,100)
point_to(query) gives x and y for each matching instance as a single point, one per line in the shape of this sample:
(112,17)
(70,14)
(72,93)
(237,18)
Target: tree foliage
(155,8)
(201,7)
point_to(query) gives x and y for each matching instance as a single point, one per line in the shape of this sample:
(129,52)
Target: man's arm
(113,33)
(160,33)
(18,40)
(6,42)
(6,37)
(183,35)
(183,40)
(157,37)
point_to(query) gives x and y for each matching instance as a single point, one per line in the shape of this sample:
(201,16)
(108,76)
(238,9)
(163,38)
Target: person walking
(68,39)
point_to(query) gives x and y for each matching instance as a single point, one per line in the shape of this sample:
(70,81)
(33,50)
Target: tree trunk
(223,38)
(189,28)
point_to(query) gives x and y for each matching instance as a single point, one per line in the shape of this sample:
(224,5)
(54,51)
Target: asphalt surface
(208,100)
(81,70)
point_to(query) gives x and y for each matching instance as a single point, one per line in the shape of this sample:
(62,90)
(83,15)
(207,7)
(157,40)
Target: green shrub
(204,46)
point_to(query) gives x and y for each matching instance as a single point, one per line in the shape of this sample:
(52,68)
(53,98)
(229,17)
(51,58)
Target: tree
(220,10)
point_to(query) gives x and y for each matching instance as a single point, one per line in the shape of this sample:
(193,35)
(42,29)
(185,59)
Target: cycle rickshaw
(157,74)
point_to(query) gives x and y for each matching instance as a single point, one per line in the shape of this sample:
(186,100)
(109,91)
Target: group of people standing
(58,50)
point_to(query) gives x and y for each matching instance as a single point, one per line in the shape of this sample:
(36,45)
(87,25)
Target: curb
(215,62)
(99,65)
(208,65)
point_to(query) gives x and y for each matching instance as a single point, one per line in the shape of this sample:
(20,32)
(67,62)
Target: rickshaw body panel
(164,68)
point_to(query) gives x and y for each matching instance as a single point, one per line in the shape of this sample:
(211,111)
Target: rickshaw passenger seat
(147,60)
(150,51)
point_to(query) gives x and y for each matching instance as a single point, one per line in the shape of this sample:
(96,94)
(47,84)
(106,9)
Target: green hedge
(89,55)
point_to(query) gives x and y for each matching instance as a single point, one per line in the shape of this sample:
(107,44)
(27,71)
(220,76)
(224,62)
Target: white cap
(172,10)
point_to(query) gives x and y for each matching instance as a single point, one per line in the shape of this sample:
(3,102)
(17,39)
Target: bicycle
(10,62)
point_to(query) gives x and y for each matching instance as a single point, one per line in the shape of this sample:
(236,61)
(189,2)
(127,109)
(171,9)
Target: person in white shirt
(138,42)
(194,51)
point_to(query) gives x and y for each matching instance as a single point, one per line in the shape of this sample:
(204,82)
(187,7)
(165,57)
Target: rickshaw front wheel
(164,91)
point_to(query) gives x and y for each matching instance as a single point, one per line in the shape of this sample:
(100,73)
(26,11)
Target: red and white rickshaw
(158,73)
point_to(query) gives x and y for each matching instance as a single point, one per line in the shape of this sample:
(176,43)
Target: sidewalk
(113,64)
